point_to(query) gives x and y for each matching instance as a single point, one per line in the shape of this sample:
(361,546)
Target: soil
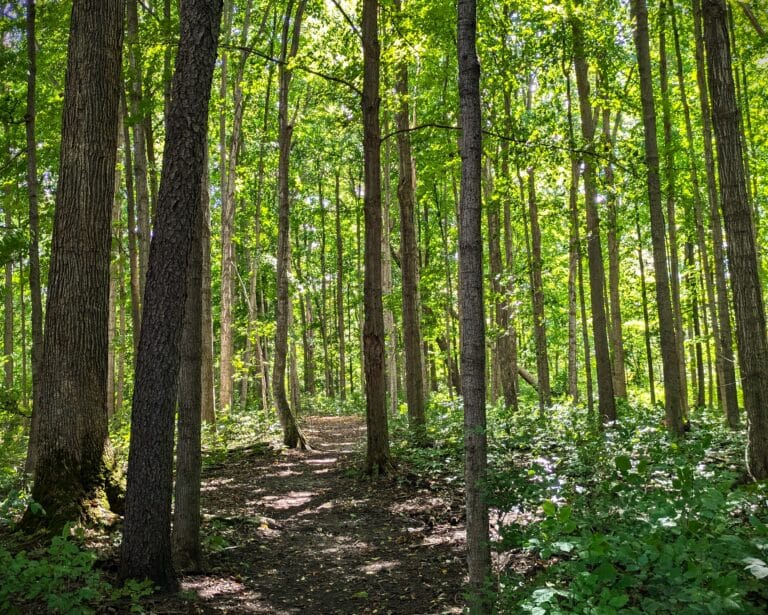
(303,532)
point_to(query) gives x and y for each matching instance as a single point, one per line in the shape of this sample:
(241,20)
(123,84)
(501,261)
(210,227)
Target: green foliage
(628,521)
(64,580)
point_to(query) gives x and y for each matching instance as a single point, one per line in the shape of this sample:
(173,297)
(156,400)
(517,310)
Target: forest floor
(304,532)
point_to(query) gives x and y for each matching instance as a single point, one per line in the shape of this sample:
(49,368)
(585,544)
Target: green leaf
(623,463)
(757,567)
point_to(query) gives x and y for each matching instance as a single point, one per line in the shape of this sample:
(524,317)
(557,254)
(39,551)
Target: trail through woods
(303,532)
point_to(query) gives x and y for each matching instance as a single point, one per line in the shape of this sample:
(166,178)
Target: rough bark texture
(672,391)
(378,459)
(292,435)
(71,473)
(606,400)
(187,551)
(471,311)
(146,548)
(728,384)
(739,227)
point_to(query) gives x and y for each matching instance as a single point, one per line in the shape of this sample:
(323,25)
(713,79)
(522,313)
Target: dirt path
(292,532)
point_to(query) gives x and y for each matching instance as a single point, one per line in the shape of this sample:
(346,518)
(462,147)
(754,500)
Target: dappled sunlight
(292,499)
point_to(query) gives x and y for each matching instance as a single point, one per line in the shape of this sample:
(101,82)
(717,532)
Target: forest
(383,306)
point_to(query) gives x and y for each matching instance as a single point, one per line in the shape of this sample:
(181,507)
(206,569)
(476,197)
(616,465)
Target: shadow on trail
(295,532)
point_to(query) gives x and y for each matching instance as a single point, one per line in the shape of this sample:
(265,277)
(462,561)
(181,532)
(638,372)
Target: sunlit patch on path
(293,532)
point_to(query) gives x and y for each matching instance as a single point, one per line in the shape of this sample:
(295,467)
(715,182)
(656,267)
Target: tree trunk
(113,279)
(670,178)
(72,472)
(378,459)
(327,372)
(646,316)
(34,230)
(606,400)
(409,259)
(187,551)
(8,315)
(728,384)
(146,548)
(139,142)
(739,227)
(340,296)
(292,435)
(471,312)
(208,395)
(390,334)
(672,387)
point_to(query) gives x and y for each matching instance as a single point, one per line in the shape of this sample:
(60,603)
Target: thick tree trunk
(672,387)
(187,551)
(146,548)
(606,400)
(71,472)
(292,435)
(378,460)
(742,252)
(472,313)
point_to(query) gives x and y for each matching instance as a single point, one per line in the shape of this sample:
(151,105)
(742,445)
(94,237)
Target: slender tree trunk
(146,548)
(133,252)
(606,400)
(378,459)
(409,259)
(292,435)
(208,395)
(670,179)
(537,295)
(646,316)
(471,312)
(615,332)
(728,384)
(34,230)
(8,315)
(327,372)
(113,275)
(390,334)
(742,252)
(672,387)
(340,296)
(139,142)
(72,472)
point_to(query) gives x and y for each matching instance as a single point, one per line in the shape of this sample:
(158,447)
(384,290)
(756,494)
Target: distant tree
(71,470)
(146,549)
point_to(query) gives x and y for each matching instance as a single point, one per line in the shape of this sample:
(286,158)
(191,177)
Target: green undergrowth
(626,520)
(62,578)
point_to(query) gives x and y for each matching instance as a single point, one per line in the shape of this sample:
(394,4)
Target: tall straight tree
(672,390)
(34,231)
(472,317)
(146,549)
(378,460)
(606,399)
(740,232)
(409,258)
(71,470)
(292,435)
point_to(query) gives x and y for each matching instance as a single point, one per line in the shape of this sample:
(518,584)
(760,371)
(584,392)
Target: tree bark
(34,230)
(8,315)
(146,548)
(292,435)
(606,400)
(739,227)
(390,334)
(646,317)
(72,472)
(728,384)
(378,460)
(672,386)
(208,394)
(340,296)
(471,311)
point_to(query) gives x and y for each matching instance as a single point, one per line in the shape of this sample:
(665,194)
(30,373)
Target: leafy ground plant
(64,580)
(627,520)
